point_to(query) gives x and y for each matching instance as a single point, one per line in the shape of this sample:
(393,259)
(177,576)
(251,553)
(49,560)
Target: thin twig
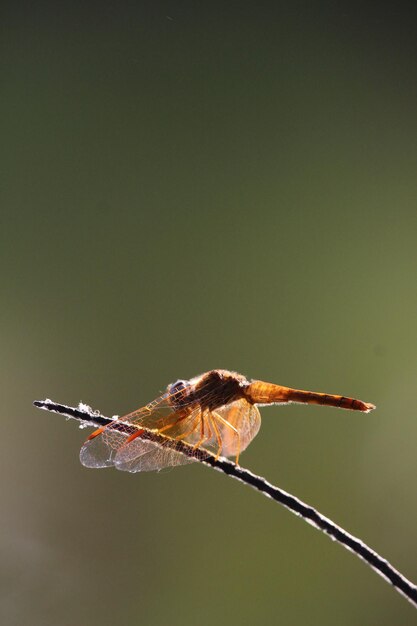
(308,513)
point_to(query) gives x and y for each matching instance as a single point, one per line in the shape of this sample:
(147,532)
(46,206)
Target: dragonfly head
(178,392)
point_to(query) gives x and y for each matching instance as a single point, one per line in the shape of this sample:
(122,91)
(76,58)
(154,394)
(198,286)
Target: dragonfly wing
(238,423)
(145,456)
(111,446)
(140,455)
(100,451)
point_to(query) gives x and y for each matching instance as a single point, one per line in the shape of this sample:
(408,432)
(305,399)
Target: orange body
(268,393)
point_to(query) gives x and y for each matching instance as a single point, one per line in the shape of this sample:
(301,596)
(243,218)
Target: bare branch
(309,514)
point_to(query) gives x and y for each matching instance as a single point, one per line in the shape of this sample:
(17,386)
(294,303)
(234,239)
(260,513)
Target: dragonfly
(216,412)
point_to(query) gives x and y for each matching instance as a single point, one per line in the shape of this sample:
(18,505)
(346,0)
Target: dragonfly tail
(259,392)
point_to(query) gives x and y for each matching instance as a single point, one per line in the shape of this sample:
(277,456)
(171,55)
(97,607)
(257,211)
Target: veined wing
(141,455)
(116,444)
(238,423)
(226,431)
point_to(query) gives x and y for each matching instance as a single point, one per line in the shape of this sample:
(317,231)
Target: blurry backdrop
(190,185)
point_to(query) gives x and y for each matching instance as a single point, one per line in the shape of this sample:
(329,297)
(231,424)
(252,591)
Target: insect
(216,411)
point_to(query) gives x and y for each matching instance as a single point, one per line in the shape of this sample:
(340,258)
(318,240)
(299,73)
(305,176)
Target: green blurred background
(190,185)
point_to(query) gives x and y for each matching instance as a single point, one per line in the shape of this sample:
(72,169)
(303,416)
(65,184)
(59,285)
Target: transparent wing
(145,456)
(101,451)
(141,455)
(111,446)
(237,423)
(227,431)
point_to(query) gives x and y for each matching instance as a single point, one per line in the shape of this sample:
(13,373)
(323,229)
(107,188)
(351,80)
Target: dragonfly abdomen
(259,392)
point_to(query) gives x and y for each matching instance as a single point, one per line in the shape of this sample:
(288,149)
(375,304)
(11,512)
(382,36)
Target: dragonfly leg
(236,432)
(217,434)
(202,436)
(209,431)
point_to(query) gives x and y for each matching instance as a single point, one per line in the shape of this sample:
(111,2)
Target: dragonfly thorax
(209,391)
(217,388)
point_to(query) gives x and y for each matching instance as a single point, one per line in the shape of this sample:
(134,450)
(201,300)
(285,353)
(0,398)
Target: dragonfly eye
(178,392)
(178,387)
